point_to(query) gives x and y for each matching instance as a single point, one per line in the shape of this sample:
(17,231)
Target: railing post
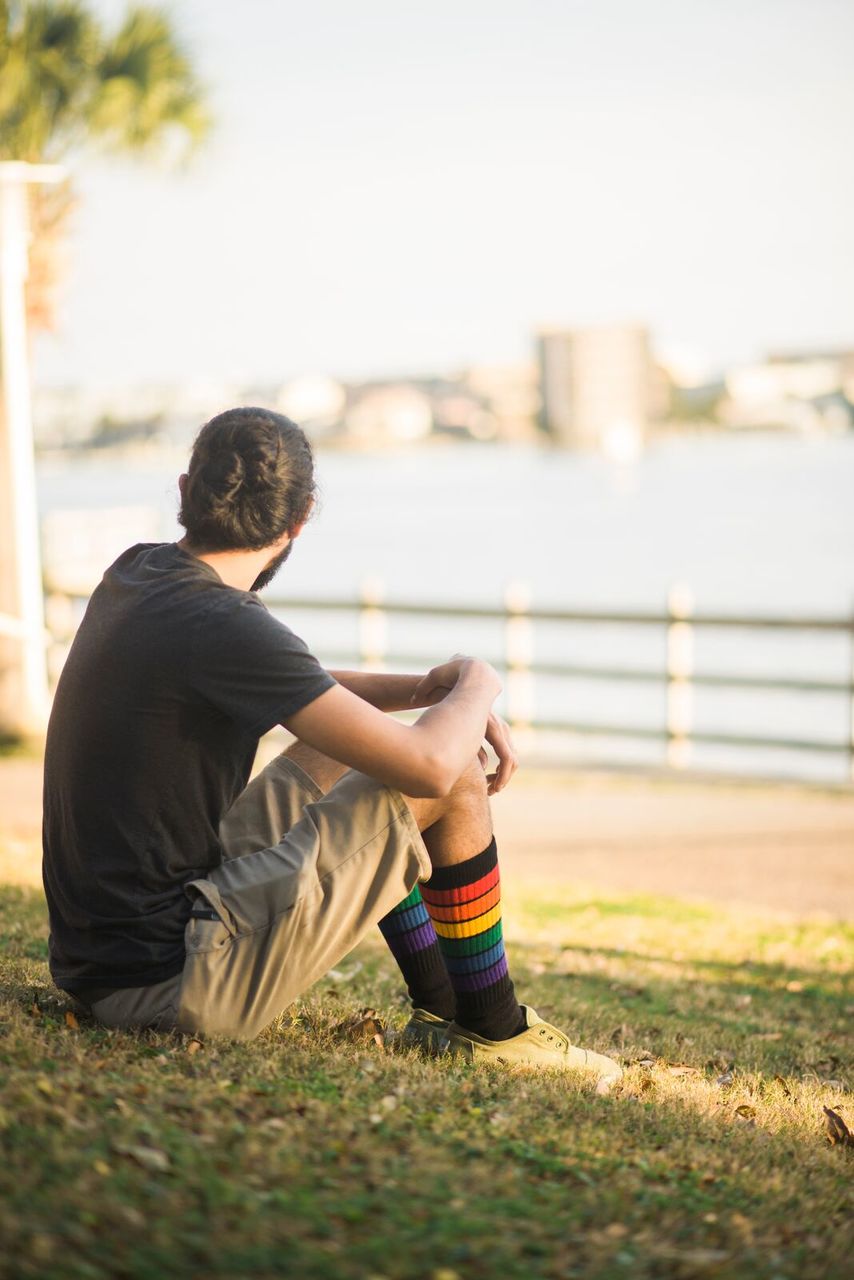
(851,705)
(59,619)
(518,655)
(373,625)
(680,668)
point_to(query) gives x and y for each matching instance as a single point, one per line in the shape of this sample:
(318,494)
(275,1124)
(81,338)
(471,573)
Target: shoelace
(563,1043)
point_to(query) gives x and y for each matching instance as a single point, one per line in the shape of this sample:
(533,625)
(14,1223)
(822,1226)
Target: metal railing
(678,677)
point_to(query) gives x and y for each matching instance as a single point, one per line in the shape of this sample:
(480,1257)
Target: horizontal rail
(14,628)
(639,617)
(498,613)
(514,647)
(697,735)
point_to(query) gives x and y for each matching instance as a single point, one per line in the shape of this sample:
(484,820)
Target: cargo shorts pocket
(202,936)
(210,926)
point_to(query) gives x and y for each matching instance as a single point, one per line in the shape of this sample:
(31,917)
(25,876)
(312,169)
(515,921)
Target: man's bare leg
(446,935)
(455,827)
(464,918)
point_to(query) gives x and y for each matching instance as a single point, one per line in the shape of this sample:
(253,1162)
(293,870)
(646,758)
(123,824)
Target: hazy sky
(405,187)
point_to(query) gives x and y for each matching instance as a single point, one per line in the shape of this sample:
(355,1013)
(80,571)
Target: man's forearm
(380,688)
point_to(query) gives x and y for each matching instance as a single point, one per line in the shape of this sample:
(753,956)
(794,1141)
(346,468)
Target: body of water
(751,524)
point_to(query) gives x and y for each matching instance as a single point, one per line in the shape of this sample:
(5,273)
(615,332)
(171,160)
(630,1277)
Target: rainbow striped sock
(412,940)
(464,902)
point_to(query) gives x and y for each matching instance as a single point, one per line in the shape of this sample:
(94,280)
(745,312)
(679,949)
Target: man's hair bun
(250,480)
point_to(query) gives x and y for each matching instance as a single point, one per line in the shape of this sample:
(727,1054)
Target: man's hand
(498,737)
(438,681)
(436,685)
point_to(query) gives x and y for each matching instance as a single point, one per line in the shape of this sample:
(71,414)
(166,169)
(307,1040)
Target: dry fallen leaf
(195,1046)
(837,1129)
(682,1069)
(364,1026)
(782,1083)
(150,1158)
(724,1081)
(71,1021)
(693,1261)
(746,1112)
(615,1230)
(344,975)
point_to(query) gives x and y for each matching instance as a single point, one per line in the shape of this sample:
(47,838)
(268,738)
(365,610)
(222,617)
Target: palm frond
(64,81)
(146,86)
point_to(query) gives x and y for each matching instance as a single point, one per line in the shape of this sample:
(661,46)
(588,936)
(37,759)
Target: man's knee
(471,784)
(322,769)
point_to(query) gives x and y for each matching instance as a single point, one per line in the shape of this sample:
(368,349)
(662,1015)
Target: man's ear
(300,525)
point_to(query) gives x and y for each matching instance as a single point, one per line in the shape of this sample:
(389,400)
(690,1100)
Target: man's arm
(423,759)
(404,693)
(384,691)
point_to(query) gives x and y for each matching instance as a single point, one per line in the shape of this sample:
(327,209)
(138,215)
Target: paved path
(788,848)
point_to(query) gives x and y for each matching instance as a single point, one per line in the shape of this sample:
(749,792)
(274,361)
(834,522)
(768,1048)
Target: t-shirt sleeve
(252,667)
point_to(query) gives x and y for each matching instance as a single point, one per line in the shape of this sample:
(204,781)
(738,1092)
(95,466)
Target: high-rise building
(596,386)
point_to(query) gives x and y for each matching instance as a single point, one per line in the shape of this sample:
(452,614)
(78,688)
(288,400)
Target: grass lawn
(310,1155)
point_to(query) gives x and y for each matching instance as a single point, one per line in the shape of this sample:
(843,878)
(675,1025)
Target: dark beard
(267,574)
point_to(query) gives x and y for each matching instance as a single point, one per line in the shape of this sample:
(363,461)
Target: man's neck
(236,568)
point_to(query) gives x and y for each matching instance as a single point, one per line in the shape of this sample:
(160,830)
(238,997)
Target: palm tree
(66,83)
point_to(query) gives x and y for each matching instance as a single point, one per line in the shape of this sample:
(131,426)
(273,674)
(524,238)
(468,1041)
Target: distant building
(315,401)
(809,392)
(77,416)
(511,395)
(596,387)
(807,374)
(389,413)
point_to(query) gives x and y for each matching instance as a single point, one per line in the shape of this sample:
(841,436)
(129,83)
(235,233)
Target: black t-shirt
(172,678)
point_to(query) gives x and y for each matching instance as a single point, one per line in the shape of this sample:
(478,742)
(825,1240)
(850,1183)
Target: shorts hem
(299,775)
(414,832)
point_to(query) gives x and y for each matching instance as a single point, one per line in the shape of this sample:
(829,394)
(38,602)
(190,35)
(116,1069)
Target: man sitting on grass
(181,897)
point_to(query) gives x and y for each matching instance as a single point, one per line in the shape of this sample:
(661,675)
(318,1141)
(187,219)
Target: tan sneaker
(540,1047)
(424,1031)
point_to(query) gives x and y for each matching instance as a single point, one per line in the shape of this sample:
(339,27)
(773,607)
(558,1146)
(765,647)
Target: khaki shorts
(305,876)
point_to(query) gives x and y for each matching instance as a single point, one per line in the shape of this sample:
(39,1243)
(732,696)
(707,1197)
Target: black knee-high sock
(411,938)
(464,902)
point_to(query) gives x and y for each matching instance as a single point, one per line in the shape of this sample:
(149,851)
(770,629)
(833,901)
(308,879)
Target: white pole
(851,707)
(23,669)
(519,654)
(373,629)
(680,668)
